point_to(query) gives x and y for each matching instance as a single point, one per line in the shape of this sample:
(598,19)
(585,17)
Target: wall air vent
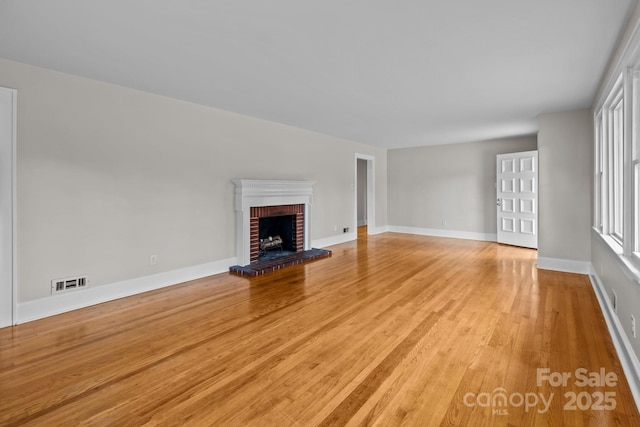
(69,283)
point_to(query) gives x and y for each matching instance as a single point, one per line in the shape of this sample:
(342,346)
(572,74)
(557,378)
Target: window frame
(616,185)
(616,147)
(610,125)
(633,167)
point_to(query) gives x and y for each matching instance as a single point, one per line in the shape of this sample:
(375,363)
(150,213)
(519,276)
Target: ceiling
(386,73)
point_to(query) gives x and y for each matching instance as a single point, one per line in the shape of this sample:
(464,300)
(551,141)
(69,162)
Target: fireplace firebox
(276,230)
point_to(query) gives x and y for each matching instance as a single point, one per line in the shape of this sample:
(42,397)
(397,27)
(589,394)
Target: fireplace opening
(276,231)
(277,236)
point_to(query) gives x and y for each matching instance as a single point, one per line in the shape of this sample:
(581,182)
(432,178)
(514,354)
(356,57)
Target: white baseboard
(334,240)
(565,265)
(436,232)
(628,358)
(56,304)
(380,230)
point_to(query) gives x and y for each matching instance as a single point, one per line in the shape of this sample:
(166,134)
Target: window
(599,176)
(609,165)
(617,166)
(616,178)
(635,163)
(636,207)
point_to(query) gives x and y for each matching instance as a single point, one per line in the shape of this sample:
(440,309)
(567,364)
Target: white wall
(108,176)
(448,187)
(565,142)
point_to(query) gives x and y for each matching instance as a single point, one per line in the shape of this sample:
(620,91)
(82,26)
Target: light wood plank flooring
(393,329)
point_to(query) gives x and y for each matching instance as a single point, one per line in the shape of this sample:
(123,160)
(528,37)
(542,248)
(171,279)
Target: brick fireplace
(286,221)
(258,199)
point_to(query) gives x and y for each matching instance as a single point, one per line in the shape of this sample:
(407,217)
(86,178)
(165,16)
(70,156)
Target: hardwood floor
(392,329)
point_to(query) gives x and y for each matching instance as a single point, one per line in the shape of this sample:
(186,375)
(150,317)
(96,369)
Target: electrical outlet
(633,326)
(153,259)
(345,230)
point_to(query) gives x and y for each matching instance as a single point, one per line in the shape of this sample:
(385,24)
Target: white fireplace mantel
(254,193)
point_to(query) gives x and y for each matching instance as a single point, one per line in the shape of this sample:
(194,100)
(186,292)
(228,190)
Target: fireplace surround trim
(255,193)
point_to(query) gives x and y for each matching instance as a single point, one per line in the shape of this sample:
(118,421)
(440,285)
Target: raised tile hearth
(261,267)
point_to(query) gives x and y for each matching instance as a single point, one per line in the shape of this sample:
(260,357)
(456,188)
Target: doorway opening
(364,195)
(8,290)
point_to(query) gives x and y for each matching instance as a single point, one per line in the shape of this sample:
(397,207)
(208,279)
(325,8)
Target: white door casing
(517,199)
(7,204)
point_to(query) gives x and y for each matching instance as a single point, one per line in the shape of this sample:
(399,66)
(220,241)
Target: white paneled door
(517,199)
(7,173)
